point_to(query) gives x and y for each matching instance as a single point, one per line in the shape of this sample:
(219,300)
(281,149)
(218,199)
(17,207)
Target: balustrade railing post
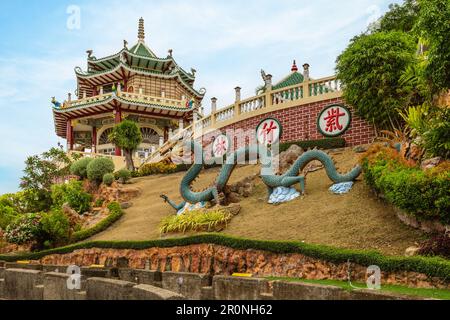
(213,110)
(237,101)
(306,92)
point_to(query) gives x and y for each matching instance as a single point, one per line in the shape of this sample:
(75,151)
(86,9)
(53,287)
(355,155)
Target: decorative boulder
(287,158)
(430,163)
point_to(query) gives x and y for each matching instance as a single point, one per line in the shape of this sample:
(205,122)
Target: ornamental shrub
(108,179)
(7,216)
(98,167)
(424,194)
(55,228)
(123,175)
(79,168)
(157,168)
(23,230)
(73,194)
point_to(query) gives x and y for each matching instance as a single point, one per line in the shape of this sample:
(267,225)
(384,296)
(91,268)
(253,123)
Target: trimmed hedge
(157,168)
(431,266)
(115,214)
(328,143)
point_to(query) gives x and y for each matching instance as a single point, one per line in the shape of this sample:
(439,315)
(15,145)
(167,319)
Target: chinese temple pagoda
(132,84)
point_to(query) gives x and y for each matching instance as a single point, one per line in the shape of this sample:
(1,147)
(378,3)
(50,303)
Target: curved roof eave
(177,75)
(122,100)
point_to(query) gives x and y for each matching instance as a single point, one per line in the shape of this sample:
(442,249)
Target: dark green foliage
(39,175)
(127,136)
(434,267)
(7,215)
(123,175)
(400,17)
(10,208)
(115,214)
(55,228)
(108,179)
(370,70)
(436,139)
(79,168)
(73,194)
(98,167)
(328,143)
(434,28)
(424,194)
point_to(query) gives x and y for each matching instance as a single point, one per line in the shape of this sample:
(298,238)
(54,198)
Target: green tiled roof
(292,79)
(142,50)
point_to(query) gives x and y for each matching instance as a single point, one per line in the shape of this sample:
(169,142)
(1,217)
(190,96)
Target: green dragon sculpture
(288,179)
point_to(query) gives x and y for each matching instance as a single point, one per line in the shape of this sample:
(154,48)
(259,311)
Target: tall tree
(127,136)
(400,17)
(40,173)
(434,28)
(370,70)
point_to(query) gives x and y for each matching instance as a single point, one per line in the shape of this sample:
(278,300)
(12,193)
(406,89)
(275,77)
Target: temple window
(104,136)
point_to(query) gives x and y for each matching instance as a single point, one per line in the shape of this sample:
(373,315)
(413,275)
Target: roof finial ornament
(193,71)
(125,44)
(170,52)
(141,32)
(294,67)
(89,52)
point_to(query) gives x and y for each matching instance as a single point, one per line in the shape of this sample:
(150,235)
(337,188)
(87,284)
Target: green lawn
(421,292)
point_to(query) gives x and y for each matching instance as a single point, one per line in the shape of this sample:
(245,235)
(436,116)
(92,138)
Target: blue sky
(227,42)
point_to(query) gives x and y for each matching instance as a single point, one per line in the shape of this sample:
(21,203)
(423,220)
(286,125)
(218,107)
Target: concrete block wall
(31,284)
(55,287)
(187,284)
(233,288)
(23,284)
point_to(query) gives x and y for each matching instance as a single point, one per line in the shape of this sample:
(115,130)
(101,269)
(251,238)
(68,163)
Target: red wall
(300,123)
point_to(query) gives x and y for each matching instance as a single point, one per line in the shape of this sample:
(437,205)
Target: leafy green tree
(400,17)
(434,28)
(127,136)
(40,172)
(370,70)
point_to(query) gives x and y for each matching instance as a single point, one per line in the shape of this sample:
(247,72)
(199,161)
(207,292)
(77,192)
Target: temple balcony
(129,96)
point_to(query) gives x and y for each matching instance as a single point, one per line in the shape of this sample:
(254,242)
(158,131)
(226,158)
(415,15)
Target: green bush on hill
(98,167)
(79,168)
(108,179)
(123,175)
(73,194)
(424,194)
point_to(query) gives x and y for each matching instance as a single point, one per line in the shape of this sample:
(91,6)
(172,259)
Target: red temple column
(69,135)
(117,120)
(94,139)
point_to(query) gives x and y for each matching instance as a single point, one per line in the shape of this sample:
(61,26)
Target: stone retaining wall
(28,284)
(219,260)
